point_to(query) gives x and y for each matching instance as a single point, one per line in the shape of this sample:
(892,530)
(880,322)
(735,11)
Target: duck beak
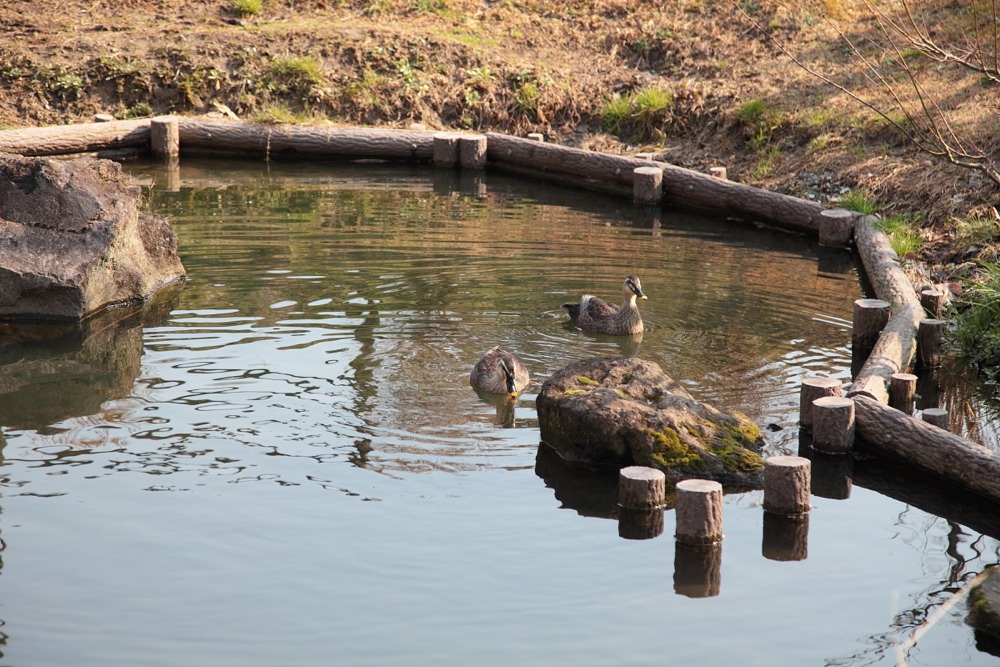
(512,394)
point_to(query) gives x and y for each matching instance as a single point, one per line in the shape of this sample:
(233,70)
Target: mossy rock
(627,411)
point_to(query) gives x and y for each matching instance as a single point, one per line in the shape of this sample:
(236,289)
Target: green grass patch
(766,161)
(976,332)
(860,202)
(246,7)
(904,234)
(639,116)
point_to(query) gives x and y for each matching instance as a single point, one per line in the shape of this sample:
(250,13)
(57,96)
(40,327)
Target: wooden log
(786,484)
(930,334)
(681,187)
(698,511)
(833,424)
(785,538)
(811,389)
(933,302)
(936,416)
(896,345)
(870,317)
(81,138)
(472,151)
(164,138)
(640,487)
(954,458)
(445,149)
(836,226)
(697,570)
(291,141)
(648,185)
(636,524)
(902,389)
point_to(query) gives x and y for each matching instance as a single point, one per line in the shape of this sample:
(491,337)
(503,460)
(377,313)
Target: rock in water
(627,411)
(73,240)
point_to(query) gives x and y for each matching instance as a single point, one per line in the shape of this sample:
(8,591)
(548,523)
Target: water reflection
(504,406)
(54,371)
(785,538)
(697,570)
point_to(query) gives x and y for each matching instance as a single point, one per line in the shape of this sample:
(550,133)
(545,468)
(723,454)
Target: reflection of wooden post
(929,336)
(833,424)
(811,389)
(902,388)
(164,139)
(936,416)
(641,488)
(786,538)
(172,171)
(835,227)
(640,524)
(786,484)
(870,317)
(472,151)
(698,511)
(647,185)
(697,570)
(446,149)
(933,302)
(831,475)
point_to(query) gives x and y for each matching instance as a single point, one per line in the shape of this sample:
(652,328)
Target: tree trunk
(681,187)
(895,347)
(954,458)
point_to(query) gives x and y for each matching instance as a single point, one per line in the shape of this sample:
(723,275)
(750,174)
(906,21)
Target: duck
(499,372)
(598,316)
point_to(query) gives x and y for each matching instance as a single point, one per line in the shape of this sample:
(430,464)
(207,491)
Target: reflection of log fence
(649,183)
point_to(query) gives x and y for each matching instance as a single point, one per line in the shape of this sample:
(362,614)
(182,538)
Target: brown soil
(518,66)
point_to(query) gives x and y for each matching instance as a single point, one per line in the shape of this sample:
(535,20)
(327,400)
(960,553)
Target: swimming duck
(599,316)
(499,372)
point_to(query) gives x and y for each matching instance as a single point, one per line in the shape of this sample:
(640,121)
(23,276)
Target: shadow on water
(51,371)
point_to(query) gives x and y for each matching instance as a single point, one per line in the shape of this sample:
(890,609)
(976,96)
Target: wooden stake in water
(833,424)
(786,484)
(698,512)
(870,317)
(835,227)
(472,151)
(640,487)
(164,139)
(811,389)
(647,186)
(902,389)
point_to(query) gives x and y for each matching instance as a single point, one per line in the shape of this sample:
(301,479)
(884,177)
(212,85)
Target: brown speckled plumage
(597,315)
(499,372)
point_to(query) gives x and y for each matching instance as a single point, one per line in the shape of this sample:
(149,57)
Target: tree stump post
(870,317)
(445,149)
(933,302)
(811,389)
(641,488)
(719,172)
(785,538)
(835,227)
(902,389)
(786,484)
(472,151)
(164,139)
(936,416)
(930,333)
(833,424)
(647,186)
(698,511)
(536,136)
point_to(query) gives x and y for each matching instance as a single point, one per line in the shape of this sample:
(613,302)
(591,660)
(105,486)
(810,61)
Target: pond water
(282,462)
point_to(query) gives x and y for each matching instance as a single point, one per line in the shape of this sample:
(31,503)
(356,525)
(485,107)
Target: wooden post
(929,336)
(698,511)
(835,227)
(164,138)
(645,156)
(833,424)
(640,524)
(536,136)
(902,388)
(786,538)
(446,149)
(472,151)
(647,188)
(936,416)
(811,389)
(933,302)
(697,570)
(641,488)
(718,172)
(870,317)
(786,484)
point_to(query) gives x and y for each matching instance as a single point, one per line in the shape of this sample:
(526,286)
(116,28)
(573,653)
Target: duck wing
(596,308)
